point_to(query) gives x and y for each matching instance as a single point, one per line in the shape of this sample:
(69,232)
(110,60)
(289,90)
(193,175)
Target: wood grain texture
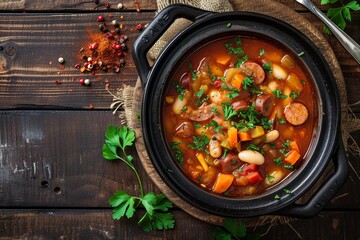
(98,224)
(74,5)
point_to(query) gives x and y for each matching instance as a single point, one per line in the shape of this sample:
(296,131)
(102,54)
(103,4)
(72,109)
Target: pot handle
(326,192)
(155,30)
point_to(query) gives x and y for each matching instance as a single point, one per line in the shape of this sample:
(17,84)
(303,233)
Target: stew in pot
(239,115)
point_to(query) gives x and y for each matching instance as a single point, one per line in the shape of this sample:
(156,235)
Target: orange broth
(218,96)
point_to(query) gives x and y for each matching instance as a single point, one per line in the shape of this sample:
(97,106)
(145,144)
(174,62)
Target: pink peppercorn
(100,18)
(82,81)
(139,26)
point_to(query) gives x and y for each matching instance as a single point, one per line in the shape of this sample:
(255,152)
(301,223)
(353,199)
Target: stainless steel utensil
(349,43)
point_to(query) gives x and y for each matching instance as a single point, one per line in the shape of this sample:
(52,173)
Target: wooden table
(54,183)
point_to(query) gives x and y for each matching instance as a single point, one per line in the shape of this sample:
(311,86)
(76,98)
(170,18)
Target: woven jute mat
(129,98)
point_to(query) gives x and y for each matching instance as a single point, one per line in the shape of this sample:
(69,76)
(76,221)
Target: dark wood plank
(61,5)
(75,5)
(27,80)
(98,224)
(53,159)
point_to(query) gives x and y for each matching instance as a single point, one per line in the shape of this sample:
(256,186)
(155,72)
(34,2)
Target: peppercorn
(116,69)
(77,66)
(103,28)
(87,81)
(117,30)
(139,26)
(100,18)
(84,56)
(120,6)
(104,69)
(114,23)
(123,47)
(61,60)
(122,62)
(82,81)
(117,46)
(93,46)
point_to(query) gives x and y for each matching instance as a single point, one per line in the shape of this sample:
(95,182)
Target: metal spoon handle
(349,43)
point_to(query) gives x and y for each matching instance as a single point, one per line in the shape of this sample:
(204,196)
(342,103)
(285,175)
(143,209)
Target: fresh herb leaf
(287,191)
(286,144)
(253,147)
(232,95)
(184,109)
(229,112)
(277,161)
(301,54)
(277,197)
(270,178)
(261,52)
(282,120)
(247,82)
(284,151)
(214,124)
(199,93)
(293,95)
(278,94)
(240,61)
(340,15)
(215,111)
(125,205)
(197,125)
(228,25)
(178,153)
(267,67)
(288,166)
(181,91)
(272,145)
(267,124)
(225,152)
(199,142)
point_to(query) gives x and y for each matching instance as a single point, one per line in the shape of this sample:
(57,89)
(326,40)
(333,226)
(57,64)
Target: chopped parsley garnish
(284,151)
(199,142)
(193,75)
(228,25)
(293,95)
(211,75)
(178,153)
(240,61)
(286,144)
(247,82)
(262,52)
(215,111)
(287,191)
(267,124)
(225,152)
(272,145)
(278,94)
(267,67)
(197,125)
(199,177)
(303,81)
(236,50)
(253,147)
(277,197)
(199,102)
(282,120)
(229,112)
(199,93)
(184,109)
(277,161)
(214,124)
(288,166)
(240,170)
(270,178)
(232,95)
(301,54)
(181,91)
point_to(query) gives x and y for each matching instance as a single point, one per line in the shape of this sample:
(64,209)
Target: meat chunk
(264,104)
(230,162)
(202,114)
(185,129)
(254,70)
(296,113)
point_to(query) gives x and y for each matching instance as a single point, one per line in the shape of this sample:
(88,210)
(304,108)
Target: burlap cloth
(124,98)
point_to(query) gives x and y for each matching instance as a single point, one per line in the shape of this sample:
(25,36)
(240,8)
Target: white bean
(179,104)
(215,148)
(273,85)
(252,157)
(272,136)
(279,72)
(215,96)
(273,177)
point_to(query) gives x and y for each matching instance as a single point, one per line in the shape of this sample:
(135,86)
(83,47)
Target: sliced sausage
(202,114)
(255,71)
(264,104)
(185,81)
(296,113)
(230,162)
(241,104)
(185,129)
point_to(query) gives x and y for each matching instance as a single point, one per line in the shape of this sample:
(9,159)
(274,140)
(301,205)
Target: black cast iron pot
(206,27)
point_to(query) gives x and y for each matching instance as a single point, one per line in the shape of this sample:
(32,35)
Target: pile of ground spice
(106,49)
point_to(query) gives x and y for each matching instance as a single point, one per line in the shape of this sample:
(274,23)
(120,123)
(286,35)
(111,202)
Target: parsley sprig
(156,206)
(339,15)
(233,229)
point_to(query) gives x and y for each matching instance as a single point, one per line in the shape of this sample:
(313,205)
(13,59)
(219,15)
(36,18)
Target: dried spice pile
(106,49)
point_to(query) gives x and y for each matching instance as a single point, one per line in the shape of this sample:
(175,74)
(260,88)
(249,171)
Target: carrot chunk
(232,136)
(292,157)
(237,80)
(223,182)
(201,159)
(245,136)
(294,146)
(254,177)
(223,60)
